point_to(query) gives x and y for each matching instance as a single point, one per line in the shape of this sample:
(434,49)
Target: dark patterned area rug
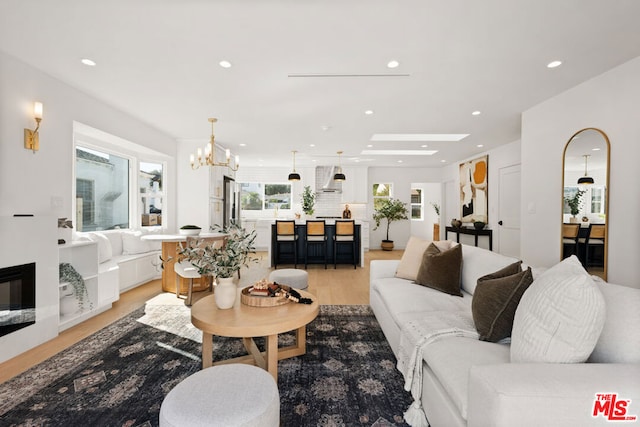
(120,375)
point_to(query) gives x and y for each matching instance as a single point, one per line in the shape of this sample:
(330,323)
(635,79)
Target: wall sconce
(31,137)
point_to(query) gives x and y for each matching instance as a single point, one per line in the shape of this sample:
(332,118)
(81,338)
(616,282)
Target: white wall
(503,156)
(431,193)
(608,102)
(401,178)
(28,181)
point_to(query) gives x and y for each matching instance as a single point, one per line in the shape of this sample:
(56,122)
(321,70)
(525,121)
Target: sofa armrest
(537,394)
(381,268)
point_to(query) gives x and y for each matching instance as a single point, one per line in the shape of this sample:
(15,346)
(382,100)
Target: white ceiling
(158,60)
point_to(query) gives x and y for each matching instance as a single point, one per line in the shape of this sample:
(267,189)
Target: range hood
(324,180)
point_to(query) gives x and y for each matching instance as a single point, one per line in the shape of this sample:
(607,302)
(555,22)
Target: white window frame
(420,204)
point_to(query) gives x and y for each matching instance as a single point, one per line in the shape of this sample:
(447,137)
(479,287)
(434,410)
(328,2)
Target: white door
(509,211)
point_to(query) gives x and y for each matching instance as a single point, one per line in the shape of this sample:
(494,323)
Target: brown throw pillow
(441,270)
(495,301)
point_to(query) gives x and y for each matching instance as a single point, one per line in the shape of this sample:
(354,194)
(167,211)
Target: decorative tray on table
(270,294)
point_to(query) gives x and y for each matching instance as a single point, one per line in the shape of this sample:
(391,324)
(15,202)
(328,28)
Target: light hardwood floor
(343,285)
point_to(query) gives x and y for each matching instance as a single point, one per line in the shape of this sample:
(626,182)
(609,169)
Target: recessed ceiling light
(554,64)
(314,160)
(88,62)
(369,145)
(243,145)
(325,127)
(400,152)
(479,145)
(393,64)
(312,145)
(399,161)
(424,146)
(225,64)
(417,137)
(368,112)
(443,161)
(476,113)
(595,149)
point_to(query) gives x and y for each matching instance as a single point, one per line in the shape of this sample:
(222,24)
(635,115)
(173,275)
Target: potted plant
(575,203)
(308,201)
(222,262)
(390,210)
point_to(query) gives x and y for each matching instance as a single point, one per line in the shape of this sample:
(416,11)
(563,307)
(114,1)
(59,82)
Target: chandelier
(209,158)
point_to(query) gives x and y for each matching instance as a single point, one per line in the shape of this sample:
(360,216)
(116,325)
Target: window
(416,204)
(151,193)
(597,200)
(259,196)
(102,190)
(381,192)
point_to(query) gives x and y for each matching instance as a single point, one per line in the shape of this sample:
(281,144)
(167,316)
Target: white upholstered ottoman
(290,277)
(225,395)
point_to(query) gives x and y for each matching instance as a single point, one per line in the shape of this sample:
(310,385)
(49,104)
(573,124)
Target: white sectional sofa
(469,382)
(124,258)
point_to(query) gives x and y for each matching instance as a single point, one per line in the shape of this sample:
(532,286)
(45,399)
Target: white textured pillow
(559,318)
(132,244)
(105,253)
(412,258)
(478,262)
(619,341)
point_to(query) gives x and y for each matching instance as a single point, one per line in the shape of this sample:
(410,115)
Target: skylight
(418,137)
(399,152)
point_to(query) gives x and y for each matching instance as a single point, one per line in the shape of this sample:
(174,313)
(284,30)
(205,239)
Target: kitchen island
(315,254)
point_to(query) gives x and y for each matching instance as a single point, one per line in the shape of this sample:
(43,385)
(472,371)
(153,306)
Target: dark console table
(471,231)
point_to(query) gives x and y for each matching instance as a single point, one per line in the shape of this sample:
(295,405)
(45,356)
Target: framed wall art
(474,190)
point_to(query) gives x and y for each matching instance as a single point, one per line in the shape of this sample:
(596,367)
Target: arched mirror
(585,199)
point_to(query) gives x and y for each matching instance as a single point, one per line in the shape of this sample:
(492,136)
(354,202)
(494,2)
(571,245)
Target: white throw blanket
(415,336)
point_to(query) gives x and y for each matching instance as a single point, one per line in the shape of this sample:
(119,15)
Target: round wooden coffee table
(247,322)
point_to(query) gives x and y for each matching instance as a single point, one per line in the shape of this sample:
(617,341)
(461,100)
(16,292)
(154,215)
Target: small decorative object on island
(346,213)
(308,201)
(189,230)
(391,210)
(222,262)
(456,223)
(575,203)
(479,225)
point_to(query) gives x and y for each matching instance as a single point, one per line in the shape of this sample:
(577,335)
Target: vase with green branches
(390,210)
(224,261)
(308,201)
(436,207)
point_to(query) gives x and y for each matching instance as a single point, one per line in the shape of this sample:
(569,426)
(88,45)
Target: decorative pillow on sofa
(133,244)
(495,301)
(412,258)
(105,253)
(559,318)
(441,270)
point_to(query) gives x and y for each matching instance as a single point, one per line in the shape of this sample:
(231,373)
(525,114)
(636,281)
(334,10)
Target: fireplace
(17,297)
